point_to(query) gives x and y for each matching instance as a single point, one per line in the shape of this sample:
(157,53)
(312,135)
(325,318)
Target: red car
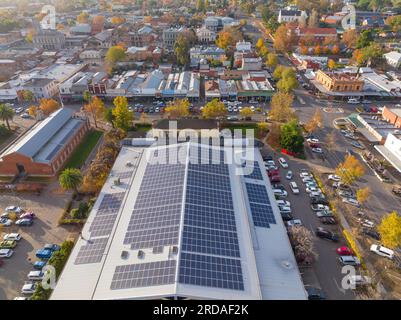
(275,179)
(345,251)
(314,145)
(27,215)
(272,173)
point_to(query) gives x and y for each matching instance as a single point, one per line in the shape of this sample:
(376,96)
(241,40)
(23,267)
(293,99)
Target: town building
(340,82)
(91,57)
(206,35)
(188,228)
(142,37)
(42,88)
(251,63)
(169,37)
(81,29)
(285,15)
(45,147)
(199,53)
(49,39)
(393,59)
(319,35)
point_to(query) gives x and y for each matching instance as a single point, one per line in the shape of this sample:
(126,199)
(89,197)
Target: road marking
(338,287)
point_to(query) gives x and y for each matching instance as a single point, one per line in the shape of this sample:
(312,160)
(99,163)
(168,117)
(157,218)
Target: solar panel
(259,202)
(124,175)
(149,238)
(220,169)
(144,275)
(257,193)
(211,271)
(209,198)
(256,173)
(208,181)
(91,252)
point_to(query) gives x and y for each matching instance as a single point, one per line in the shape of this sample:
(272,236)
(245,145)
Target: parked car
(283,203)
(326,234)
(357,145)
(319,200)
(312,189)
(349,261)
(328,220)
(275,178)
(286,216)
(382,251)
(52,247)
(346,194)
(6,253)
(38,265)
(280,193)
(14,209)
(294,188)
(8,244)
(308,179)
(312,140)
(273,172)
(344,251)
(24,222)
(352,202)
(36,275)
(316,194)
(315,293)
(319,207)
(278,186)
(289,175)
(5,222)
(12,236)
(284,209)
(44,253)
(353,101)
(25,115)
(334,177)
(317,150)
(305,174)
(293,223)
(28,288)
(366,223)
(359,280)
(27,215)
(371,233)
(283,162)
(324,214)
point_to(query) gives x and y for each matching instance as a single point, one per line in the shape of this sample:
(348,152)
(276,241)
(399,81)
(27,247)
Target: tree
(214,109)
(303,50)
(273,138)
(350,38)
(178,108)
(335,50)
(200,6)
(331,64)
(394,22)
(282,40)
(281,107)
(27,95)
(317,50)
(48,106)
(122,116)
(71,179)
(287,84)
(365,39)
(314,122)
(259,44)
(181,50)
(115,54)
(362,195)
(291,137)
(246,112)
(117,20)
(302,242)
(108,116)
(271,60)
(313,19)
(83,17)
(224,40)
(95,108)
(87,96)
(6,114)
(390,230)
(33,111)
(350,170)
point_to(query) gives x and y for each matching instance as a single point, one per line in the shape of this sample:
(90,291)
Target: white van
(294,187)
(349,261)
(382,251)
(353,101)
(36,275)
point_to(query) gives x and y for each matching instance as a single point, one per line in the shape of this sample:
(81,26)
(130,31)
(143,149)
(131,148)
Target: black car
(315,293)
(328,220)
(319,200)
(371,233)
(278,186)
(286,216)
(267,158)
(326,234)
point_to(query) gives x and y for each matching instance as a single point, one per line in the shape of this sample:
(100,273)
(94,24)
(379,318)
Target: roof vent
(129,164)
(117,182)
(141,254)
(124,255)
(287,265)
(175,250)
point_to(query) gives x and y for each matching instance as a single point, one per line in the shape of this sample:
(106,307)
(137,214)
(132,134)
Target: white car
(36,275)
(358,280)
(283,203)
(324,214)
(312,140)
(5,222)
(280,193)
(295,222)
(319,207)
(316,194)
(283,163)
(270,163)
(334,177)
(28,288)
(308,179)
(304,174)
(12,236)
(353,101)
(285,209)
(312,189)
(349,261)
(289,175)
(352,202)
(20,298)
(366,223)
(317,150)
(6,253)
(294,187)
(382,251)
(14,209)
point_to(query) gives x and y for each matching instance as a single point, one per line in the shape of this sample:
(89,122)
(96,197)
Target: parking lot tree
(362,195)
(315,122)
(291,137)
(281,107)
(48,106)
(6,114)
(246,112)
(303,244)
(178,108)
(122,116)
(390,230)
(350,170)
(214,109)
(71,179)
(95,108)
(271,60)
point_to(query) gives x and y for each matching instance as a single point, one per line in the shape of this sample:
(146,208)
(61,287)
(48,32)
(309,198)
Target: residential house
(285,15)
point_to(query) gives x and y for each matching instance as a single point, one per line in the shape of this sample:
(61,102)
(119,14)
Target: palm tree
(6,114)
(71,179)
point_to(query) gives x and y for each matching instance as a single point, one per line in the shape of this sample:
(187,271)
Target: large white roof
(117,259)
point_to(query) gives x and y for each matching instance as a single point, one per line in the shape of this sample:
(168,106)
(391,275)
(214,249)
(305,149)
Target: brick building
(44,149)
(392,115)
(339,82)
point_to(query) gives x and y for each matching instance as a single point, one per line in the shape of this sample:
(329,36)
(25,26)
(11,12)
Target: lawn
(240,126)
(5,135)
(84,149)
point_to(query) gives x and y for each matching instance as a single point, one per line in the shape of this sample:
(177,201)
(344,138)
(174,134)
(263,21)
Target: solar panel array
(92,252)
(210,249)
(256,173)
(261,209)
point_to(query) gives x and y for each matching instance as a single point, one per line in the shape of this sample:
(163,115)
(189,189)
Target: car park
(36,275)
(289,175)
(334,177)
(382,251)
(315,293)
(344,251)
(6,253)
(352,202)
(24,222)
(293,223)
(349,261)
(371,233)
(294,187)
(8,244)
(283,162)
(326,234)
(12,237)
(28,288)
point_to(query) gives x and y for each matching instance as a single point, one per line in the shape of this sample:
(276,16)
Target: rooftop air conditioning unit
(141,254)
(129,164)
(117,182)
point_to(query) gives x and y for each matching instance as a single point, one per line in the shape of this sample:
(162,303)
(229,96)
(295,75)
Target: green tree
(271,60)
(115,54)
(87,96)
(108,116)
(390,230)
(28,95)
(214,109)
(200,6)
(181,50)
(291,137)
(71,179)
(365,39)
(122,116)
(246,112)
(6,114)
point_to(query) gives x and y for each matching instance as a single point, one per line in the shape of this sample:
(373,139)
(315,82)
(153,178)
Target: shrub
(352,243)
(75,213)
